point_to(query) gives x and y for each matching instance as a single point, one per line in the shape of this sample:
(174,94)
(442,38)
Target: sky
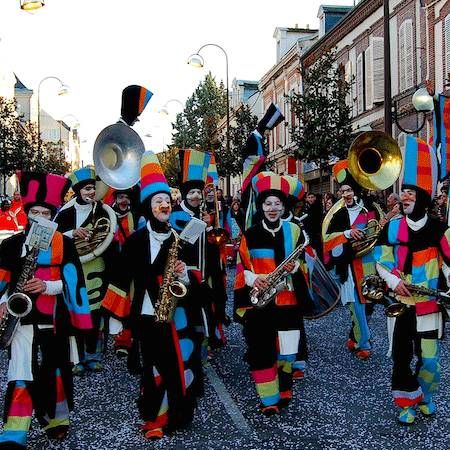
(98,47)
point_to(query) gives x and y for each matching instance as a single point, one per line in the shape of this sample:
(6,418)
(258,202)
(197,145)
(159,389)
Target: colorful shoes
(351,345)
(58,433)
(298,374)
(362,354)
(11,445)
(407,416)
(94,366)
(78,370)
(270,410)
(286,397)
(155,434)
(427,408)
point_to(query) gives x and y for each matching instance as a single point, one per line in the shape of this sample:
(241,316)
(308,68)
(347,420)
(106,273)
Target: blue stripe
(288,244)
(270,400)
(262,253)
(393,230)
(152,188)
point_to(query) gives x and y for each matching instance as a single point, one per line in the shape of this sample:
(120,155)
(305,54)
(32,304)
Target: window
(447,45)
(406,62)
(360,84)
(378,69)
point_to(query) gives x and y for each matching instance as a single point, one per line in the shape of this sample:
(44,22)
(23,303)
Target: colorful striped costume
(271,333)
(416,257)
(339,257)
(42,384)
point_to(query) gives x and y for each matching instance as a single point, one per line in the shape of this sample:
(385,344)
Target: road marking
(230,406)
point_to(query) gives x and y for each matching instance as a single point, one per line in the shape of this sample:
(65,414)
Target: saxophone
(275,279)
(171,289)
(18,304)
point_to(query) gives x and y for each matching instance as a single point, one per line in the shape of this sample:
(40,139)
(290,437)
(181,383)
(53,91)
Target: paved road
(341,404)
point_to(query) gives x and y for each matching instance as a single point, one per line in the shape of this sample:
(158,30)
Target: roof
(20,85)
(335,9)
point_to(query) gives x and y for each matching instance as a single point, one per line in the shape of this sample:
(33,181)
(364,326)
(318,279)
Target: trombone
(217,235)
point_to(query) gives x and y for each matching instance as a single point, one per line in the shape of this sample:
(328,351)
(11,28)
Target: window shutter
(359,84)
(378,69)
(447,45)
(369,77)
(406,55)
(348,79)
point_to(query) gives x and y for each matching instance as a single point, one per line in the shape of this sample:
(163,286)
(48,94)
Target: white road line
(230,406)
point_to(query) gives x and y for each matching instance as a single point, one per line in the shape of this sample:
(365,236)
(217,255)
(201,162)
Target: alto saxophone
(171,289)
(275,279)
(18,304)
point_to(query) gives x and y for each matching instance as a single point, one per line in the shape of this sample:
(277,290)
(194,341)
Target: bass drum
(324,292)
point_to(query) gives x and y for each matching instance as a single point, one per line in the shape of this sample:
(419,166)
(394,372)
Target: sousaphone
(117,155)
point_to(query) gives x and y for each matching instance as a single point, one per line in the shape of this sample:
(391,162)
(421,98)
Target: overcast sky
(98,47)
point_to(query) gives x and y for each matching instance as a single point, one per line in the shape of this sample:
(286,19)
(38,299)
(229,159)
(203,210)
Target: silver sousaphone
(117,155)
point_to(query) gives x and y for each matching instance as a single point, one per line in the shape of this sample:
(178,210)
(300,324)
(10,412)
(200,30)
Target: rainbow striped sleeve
(332,240)
(117,302)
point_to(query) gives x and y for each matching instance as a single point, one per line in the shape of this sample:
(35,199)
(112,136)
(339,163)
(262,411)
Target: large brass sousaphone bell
(117,155)
(375,160)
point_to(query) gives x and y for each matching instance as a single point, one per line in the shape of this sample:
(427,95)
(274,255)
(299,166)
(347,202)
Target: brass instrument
(217,235)
(117,155)
(102,231)
(18,304)
(276,279)
(373,288)
(171,289)
(375,162)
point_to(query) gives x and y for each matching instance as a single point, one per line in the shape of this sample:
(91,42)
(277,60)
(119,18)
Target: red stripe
(179,356)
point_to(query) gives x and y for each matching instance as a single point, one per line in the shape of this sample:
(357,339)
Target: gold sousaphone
(375,162)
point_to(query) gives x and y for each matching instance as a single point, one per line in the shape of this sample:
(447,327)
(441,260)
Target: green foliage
(22,149)
(170,165)
(324,123)
(196,126)
(230,162)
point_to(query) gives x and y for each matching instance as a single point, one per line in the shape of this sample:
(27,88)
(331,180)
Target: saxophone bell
(19,304)
(178,289)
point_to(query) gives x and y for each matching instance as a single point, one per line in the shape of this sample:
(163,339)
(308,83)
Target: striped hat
(420,169)
(268,183)
(296,188)
(213,176)
(342,175)
(134,101)
(194,169)
(271,119)
(41,189)
(153,179)
(83,176)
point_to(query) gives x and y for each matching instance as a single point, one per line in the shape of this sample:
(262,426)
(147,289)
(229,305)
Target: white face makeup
(39,211)
(87,193)
(273,208)
(408,198)
(347,194)
(194,197)
(161,206)
(123,201)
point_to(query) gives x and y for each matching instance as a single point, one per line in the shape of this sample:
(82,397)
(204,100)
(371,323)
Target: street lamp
(31,5)
(196,60)
(165,112)
(63,90)
(423,103)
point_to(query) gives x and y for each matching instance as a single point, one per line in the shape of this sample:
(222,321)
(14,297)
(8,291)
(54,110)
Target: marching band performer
(409,252)
(59,304)
(204,262)
(263,247)
(166,401)
(77,219)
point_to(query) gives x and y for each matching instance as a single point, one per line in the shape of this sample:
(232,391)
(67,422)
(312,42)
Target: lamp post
(165,111)
(423,103)
(196,60)
(63,90)
(31,5)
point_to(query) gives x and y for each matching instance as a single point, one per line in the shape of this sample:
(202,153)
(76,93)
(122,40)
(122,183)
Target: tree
(21,147)
(324,124)
(230,163)
(196,126)
(170,165)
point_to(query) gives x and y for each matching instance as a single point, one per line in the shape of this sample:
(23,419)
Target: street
(343,403)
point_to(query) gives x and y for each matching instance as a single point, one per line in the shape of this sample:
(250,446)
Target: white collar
(185,208)
(418,224)
(274,230)
(160,237)
(85,207)
(357,206)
